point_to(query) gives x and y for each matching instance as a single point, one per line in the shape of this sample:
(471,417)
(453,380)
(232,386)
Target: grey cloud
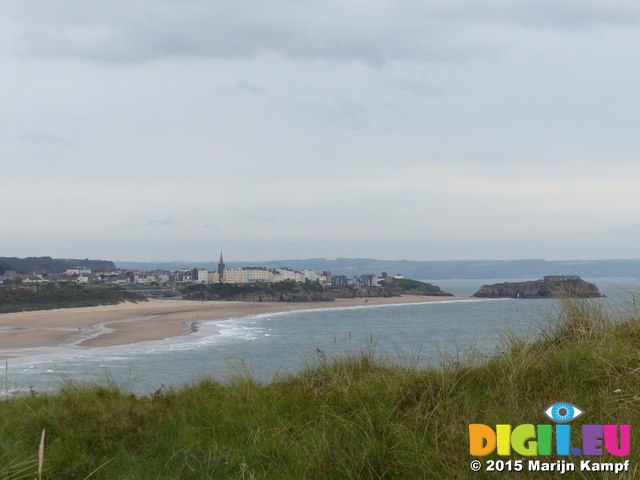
(629,231)
(375,32)
(573,14)
(164,222)
(298,107)
(259,219)
(40,138)
(341,112)
(421,87)
(244,85)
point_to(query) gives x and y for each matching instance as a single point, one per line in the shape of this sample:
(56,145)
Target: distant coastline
(436,270)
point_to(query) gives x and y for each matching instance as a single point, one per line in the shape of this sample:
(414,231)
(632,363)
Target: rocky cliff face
(262,296)
(356,292)
(292,292)
(254,293)
(540,289)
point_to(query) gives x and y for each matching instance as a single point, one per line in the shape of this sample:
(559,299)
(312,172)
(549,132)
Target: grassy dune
(355,416)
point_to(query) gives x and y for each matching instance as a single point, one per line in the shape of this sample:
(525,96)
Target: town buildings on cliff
(242,275)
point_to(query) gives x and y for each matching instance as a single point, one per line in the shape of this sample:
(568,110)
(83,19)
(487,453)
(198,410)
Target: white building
(234,276)
(285,274)
(258,274)
(310,276)
(202,276)
(78,271)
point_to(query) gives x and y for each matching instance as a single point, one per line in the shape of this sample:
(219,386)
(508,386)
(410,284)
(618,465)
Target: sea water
(278,344)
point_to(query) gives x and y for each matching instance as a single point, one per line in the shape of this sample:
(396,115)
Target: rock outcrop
(549,287)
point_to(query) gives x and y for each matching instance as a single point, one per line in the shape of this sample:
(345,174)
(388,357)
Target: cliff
(300,292)
(546,288)
(277,292)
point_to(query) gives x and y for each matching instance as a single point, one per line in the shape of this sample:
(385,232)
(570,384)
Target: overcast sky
(273,129)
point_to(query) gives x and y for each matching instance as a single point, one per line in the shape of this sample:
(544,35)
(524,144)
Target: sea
(276,345)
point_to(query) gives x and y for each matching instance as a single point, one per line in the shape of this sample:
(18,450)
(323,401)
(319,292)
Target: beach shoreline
(155,320)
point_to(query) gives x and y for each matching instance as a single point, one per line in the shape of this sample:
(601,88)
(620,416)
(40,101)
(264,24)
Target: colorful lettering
(592,439)
(482,440)
(523,440)
(611,440)
(563,439)
(529,440)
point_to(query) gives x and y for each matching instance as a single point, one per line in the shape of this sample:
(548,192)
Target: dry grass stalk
(41,455)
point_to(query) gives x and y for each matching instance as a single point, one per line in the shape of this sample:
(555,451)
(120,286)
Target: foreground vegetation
(357,416)
(51,296)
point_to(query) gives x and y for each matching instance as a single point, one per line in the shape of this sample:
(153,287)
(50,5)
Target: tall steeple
(221,266)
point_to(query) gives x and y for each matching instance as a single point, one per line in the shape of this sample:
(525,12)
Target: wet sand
(146,321)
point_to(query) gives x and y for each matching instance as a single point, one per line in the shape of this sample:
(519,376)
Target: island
(551,286)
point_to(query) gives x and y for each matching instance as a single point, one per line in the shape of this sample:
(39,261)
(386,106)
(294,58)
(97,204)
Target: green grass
(354,416)
(415,287)
(407,282)
(51,296)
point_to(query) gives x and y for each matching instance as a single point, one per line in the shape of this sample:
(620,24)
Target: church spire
(221,266)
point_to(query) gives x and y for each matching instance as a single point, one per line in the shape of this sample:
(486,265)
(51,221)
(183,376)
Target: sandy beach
(146,321)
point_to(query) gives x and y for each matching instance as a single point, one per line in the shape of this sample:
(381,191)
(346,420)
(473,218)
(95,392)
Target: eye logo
(562,412)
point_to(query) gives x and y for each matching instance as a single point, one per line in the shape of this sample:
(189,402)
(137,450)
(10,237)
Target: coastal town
(167,278)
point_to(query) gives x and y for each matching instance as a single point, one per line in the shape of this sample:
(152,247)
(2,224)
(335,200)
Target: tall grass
(365,414)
